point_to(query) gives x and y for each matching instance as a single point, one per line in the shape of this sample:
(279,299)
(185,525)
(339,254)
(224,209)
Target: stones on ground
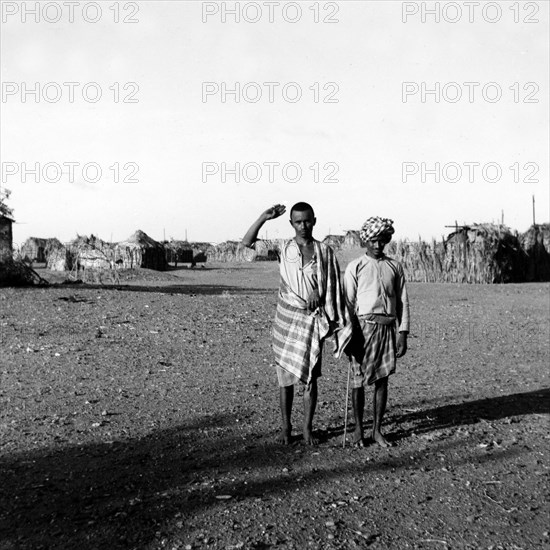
(158,449)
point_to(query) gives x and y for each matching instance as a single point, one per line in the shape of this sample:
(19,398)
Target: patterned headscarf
(376,227)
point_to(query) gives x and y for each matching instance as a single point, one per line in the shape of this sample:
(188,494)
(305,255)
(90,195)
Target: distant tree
(5,210)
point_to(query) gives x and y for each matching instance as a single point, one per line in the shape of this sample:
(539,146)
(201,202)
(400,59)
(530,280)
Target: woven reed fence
(480,253)
(440,262)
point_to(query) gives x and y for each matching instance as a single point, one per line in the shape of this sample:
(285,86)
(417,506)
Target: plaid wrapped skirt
(374,348)
(297,344)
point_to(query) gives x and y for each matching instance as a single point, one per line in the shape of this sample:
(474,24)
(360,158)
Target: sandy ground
(143,416)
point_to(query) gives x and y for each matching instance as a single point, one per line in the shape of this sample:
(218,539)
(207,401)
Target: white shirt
(377,286)
(302,279)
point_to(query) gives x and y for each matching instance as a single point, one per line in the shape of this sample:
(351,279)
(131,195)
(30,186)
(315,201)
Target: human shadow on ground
(471,412)
(119,495)
(460,414)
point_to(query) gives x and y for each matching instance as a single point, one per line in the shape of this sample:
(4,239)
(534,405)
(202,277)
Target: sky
(118,116)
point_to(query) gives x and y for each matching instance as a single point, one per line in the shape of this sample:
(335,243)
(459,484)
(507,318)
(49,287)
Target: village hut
(179,252)
(265,250)
(334,241)
(477,253)
(228,251)
(352,239)
(13,271)
(201,251)
(485,253)
(92,253)
(235,251)
(536,244)
(60,259)
(35,249)
(140,250)
(6,236)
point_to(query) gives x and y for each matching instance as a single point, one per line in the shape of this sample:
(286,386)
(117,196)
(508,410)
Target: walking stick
(346,411)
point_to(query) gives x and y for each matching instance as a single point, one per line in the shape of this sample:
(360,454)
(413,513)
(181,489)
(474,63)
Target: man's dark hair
(301,207)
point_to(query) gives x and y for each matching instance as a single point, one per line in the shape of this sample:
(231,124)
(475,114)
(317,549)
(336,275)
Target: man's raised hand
(274,212)
(271,213)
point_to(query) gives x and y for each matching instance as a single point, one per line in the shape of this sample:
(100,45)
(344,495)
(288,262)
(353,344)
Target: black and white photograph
(274,275)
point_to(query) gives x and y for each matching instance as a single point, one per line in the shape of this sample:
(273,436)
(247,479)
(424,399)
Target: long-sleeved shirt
(377,286)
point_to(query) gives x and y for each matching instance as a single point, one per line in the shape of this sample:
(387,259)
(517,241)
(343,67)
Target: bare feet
(358,439)
(309,439)
(381,440)
(285,437)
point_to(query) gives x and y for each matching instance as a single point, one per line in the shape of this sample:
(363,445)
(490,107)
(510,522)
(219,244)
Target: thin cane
(346,411)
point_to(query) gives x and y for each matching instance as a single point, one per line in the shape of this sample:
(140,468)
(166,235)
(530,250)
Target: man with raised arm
(310,308)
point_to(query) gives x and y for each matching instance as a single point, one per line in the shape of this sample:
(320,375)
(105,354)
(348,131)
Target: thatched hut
(536,244)
(336,242)
(352,239)
(6,236)
(477,253)
(60,259)
(228,251)
(485,253)
(92,253)
(178,252)
(201,251)
(140,250)
(266,250)
(235,251)
(35,249)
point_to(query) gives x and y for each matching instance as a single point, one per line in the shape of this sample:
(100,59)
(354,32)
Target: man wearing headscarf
(376,298)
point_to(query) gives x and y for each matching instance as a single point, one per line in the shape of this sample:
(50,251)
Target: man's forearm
(252,234)
(403,319)
(350,292)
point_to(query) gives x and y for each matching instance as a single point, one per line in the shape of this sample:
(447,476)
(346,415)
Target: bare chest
(307,251)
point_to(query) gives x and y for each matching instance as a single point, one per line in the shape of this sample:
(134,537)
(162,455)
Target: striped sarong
(374,349)
(297,343)
(298,334)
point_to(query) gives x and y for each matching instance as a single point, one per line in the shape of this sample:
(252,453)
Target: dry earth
(143,417)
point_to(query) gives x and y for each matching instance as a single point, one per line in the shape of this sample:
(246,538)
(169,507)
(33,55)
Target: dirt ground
(143,416)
